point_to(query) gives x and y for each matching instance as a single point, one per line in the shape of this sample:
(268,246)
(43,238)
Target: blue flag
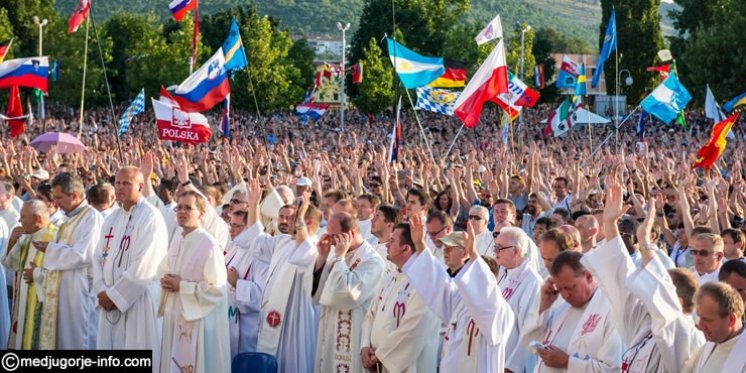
(736,101)
(608,47)
(136,107)
(581,88)
(235,56)
(667,100)
(414,70)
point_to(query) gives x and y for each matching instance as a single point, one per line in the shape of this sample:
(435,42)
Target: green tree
(713,52)
(376,92)
(6,28)
(513,51)
(21,13)
(638,42)
(302,55)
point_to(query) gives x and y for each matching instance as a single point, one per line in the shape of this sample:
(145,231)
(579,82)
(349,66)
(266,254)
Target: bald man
(587,226)
(134,241)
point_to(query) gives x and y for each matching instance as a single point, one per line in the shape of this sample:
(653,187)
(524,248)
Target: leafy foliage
(376,92)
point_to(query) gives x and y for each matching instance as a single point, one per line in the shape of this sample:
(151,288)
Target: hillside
(575,18)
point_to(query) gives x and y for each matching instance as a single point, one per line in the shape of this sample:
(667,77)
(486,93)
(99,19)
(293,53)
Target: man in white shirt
(438,225)
(7,211)
(133,242)
(563,198)
(721,311)
(399,332)
(367,204)
(575,334)
(479,319)
(587,226)
(479,217)
(708,256)
(733,243)
(520,284)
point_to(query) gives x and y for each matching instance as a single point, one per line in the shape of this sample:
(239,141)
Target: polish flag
(490,80)
(79,15)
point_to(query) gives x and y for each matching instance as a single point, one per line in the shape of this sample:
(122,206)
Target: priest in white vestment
(400,334)
(133,243)
(247,275)
(655,342)
(193,300)
(575,334)
(707,250)
(721,312)
(288,321)
(69,319)
(521,286)
(35,226)
(479,319)
(349,271)
(479,217)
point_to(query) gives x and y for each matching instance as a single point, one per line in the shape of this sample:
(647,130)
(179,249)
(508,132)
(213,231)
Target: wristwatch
(300,224)
(186,183)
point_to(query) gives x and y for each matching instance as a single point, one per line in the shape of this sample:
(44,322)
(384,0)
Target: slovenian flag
(179,8)
(32,72)
(414,70)
(206,87)
(315,111)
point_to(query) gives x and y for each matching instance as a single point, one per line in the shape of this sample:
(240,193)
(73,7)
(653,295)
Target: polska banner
(177,125)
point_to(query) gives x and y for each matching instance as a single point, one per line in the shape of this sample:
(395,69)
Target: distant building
(326,48)
(590,68)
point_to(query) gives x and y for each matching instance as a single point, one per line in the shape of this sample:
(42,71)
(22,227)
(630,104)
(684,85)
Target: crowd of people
(302,240)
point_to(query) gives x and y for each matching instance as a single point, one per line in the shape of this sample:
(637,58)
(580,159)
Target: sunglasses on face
(475,217)
(703,253)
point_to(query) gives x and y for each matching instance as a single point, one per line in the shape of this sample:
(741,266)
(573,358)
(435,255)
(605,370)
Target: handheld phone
(538,345)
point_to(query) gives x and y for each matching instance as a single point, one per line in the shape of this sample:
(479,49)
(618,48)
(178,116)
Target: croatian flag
(179,8)
(315,111)
(206,87)
(32,72)
(177,125)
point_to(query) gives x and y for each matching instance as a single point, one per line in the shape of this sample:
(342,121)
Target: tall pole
(41,51)
(523,75)
(342,74)
(616,102)
(85,72)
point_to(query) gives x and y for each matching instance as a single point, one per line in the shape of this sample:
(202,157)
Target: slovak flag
(79,15)
(32,72)
(179,8)
(206,87)
(177,125)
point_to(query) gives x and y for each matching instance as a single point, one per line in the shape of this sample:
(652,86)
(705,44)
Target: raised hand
(417,229)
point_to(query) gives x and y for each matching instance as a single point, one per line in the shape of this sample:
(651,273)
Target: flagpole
(106,81)
(422,130)
(616,101)
(453,142)
(85,71)
(590,129)
(195,39)
(616,128)
(259,118)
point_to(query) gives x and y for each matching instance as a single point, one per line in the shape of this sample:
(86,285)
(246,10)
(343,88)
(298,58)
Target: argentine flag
(414,70)
(667,100)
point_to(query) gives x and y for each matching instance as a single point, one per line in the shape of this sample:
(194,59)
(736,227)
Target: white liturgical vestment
(133,243)
(479,319)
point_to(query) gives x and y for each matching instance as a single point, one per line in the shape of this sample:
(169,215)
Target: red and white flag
(79,15)
(177,125)
(490,80)
(492,31)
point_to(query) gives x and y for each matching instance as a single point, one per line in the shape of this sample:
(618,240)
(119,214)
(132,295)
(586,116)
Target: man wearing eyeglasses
(479,217)
(520,284)
(708,256)
(247,274)
(438,225)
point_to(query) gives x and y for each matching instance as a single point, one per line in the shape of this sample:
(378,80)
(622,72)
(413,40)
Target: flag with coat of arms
(436,100)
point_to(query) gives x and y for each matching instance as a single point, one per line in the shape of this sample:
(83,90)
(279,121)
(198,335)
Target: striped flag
(136,107)
(4,48)
(395,136)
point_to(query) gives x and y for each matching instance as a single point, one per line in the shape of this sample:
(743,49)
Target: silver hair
(482,211)
(38,208)
(520,239)
(286,194)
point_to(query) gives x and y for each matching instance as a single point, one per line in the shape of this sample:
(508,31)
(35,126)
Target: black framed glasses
(236,201)
(475,217)
(433,234)
(501,248)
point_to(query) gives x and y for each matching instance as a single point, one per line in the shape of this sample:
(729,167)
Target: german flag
(709,153)
(4,48)
(453,77)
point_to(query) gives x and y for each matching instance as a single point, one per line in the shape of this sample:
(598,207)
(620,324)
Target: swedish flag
(235,56)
